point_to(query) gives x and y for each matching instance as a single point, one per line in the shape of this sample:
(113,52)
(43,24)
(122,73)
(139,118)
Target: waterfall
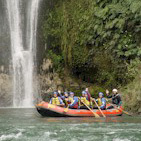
(23,49)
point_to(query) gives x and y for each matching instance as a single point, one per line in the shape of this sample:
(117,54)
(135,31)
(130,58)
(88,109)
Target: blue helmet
(65,92)
(84,92)
(55,93)
(71,93)
(101,94)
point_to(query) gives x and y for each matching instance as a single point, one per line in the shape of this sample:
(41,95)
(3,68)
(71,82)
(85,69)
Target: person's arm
(74,102)
(61,101)
(60,95)
(107,94)
(103,103)
(88,94)
(50,102)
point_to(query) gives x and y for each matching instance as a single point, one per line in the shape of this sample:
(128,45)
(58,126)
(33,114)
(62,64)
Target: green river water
(28,125)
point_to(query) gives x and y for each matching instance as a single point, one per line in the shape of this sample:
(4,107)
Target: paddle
(95,114)
(99,108)
(115,106)
(67,105)
(66,109)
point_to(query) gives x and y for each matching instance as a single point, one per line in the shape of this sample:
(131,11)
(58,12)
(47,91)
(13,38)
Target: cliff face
(5,54)
(6,92)
(6,88)
(48,79)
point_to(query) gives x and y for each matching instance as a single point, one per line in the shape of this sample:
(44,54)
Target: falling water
(23,48)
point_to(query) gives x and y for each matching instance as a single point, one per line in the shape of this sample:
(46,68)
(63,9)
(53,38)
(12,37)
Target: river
(28,125)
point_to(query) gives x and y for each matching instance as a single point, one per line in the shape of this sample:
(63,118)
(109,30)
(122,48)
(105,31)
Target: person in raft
(116,97)
(89,98)
(62,95)
(65,96)
(73,101)
(56,100)
(101,101)
(84,99)
(65,99)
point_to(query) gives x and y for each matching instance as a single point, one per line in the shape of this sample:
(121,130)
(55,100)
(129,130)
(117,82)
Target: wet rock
(48,79)
(5,90)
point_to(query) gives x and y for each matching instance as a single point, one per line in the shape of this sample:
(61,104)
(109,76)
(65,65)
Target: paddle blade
(97,116)
(125,112)
(66,110)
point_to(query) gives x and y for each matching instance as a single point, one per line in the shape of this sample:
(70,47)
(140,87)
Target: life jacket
(70,99)
(84,100)
(99,102)
(66,101)
(55,101)
(116,99)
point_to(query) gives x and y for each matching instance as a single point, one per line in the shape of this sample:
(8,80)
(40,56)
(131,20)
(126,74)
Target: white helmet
(115,90)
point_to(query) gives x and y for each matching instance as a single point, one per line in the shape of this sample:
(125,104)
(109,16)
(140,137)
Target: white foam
(47,134)
(63,130)
(74,139)
(118,139)
(50,133)
(110,133)
(31,127)
(21,130)
(10,136)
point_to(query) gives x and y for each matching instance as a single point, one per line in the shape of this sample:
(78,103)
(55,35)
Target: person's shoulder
(119,94)
(104,98)
(75,97)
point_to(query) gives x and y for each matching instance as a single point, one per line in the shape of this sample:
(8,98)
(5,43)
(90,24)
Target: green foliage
(133,67)
(132,94)
(57,60)
(95,40)
(95,91)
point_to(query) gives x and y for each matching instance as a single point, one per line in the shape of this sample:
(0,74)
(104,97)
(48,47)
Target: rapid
(28,125)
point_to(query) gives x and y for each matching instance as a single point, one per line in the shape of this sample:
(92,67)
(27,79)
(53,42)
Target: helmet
(84,92)
(115,90)
(71,93)
(65,92)
(101,94)
(55,93)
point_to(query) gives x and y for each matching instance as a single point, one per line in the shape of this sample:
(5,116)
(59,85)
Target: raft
(49,110)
